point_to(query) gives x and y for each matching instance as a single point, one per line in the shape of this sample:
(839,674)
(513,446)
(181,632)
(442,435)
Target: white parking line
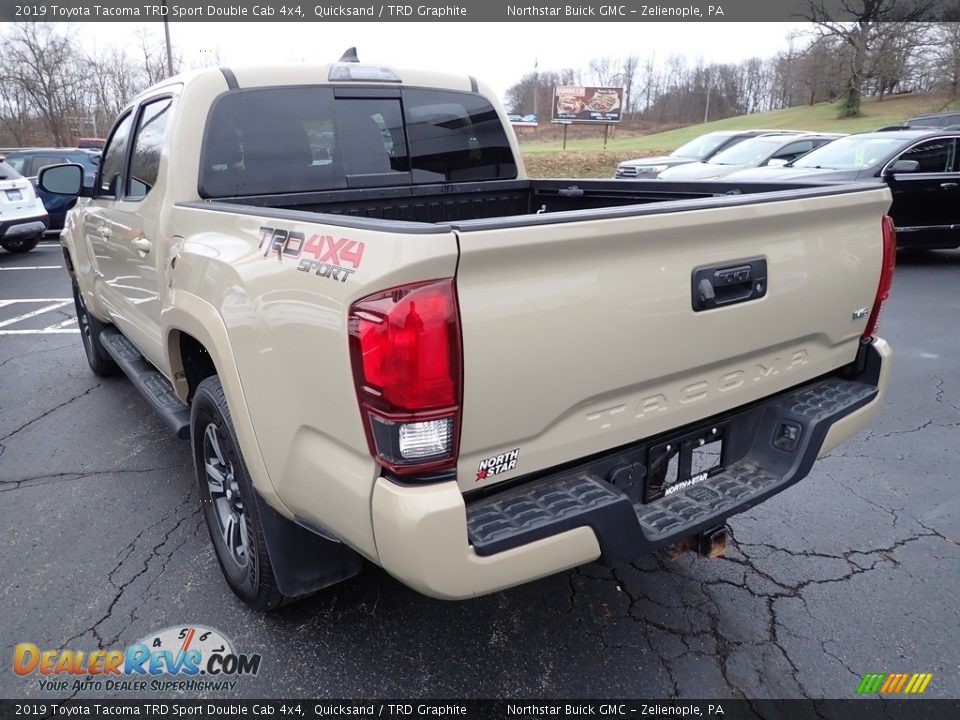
(61,325)
(34,267)
(12,301)
(51,305)
(34,313)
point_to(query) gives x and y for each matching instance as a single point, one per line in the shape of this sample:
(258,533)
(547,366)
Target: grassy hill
(585,157)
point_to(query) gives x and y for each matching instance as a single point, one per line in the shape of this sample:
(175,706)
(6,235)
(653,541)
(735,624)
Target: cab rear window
(304,139)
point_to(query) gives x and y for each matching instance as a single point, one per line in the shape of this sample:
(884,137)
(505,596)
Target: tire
(229,502)
(90,328)
(20,245)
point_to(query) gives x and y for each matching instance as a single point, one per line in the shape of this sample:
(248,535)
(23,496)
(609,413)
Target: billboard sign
(582,104)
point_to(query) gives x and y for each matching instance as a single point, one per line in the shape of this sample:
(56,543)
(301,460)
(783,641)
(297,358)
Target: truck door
(144,251)
(925,201)
(121,224)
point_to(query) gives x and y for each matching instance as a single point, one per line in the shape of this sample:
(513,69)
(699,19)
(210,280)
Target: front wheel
(228,500)
(20,245)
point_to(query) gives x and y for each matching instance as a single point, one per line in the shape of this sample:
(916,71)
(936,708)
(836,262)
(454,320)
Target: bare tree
(45,66)
(15,115)
(947,55)
(874,23)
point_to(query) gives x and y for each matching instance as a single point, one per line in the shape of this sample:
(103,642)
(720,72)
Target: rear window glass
(15,163)
(303,139)
(7,172)
(455,137)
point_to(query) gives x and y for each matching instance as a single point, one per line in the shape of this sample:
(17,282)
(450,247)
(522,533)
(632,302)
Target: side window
(113,158)
(933,156)
(147,145)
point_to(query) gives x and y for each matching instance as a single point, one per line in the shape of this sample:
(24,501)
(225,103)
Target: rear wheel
(90,328)
(228,500)
(20,245)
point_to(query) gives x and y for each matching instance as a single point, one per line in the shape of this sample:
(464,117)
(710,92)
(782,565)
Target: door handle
(105,232)
(142,244)
(949,186)
(716,286)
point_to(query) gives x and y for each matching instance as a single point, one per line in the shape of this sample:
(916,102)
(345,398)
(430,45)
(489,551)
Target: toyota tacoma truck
(384,341)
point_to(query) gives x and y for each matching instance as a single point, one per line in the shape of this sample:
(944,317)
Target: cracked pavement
(855,569)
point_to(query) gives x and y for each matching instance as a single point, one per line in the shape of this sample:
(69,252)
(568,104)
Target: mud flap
(304,561)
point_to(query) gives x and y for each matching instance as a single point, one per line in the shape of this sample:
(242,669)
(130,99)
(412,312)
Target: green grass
(819,118)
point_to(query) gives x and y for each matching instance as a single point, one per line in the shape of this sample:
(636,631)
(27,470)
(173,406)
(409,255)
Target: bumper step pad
(583,497)
(148,381)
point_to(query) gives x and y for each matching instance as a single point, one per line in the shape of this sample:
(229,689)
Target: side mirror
(61,179)
(901,166)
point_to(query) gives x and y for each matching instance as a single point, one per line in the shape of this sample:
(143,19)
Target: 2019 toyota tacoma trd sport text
(384,341)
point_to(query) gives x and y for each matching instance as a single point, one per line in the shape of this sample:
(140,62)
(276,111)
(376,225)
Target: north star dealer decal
(328,258)
(497,464)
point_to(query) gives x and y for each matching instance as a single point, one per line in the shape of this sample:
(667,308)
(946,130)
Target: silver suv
(23,219)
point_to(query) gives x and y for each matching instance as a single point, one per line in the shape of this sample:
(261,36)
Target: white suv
(23,219)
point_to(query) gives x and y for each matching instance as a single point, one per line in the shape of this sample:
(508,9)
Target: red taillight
(405,351)
(886,275)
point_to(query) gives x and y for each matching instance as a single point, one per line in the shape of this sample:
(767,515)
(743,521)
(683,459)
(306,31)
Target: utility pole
(706,111)
(166,33)
(536,86)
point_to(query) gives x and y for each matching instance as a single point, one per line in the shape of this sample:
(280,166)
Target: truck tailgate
(580,335)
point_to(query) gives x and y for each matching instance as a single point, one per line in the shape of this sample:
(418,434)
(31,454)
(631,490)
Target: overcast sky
(499,53)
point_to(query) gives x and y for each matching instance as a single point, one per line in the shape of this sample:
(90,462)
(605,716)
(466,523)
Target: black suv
(935,120)
(921,166)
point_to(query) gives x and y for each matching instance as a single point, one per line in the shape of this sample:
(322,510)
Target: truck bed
(524,201)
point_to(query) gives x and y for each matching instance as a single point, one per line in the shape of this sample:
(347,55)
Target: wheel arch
(196,341)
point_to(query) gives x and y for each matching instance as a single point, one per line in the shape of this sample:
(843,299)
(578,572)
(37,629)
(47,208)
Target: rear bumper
(446,546)
(23,227)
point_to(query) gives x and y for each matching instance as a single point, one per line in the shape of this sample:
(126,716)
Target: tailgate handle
(729,283)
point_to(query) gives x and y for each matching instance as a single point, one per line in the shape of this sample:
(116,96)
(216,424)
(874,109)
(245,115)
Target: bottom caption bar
(868,709)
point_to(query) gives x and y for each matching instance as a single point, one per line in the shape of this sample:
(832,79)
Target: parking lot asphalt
(856,569)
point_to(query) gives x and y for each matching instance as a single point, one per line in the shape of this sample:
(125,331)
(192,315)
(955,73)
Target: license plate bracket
(688,459)
(14,195)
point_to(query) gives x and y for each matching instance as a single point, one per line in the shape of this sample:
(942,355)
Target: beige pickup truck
(384,341)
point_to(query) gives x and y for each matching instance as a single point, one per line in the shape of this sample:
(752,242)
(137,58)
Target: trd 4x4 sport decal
(321,255)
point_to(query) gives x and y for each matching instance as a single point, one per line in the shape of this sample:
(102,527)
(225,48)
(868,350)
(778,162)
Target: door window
(933,156)
(147,145)
(114,157)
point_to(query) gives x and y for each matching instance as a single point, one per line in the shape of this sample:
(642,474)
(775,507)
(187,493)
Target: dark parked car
(935,120)
(28,161)
(697,150)
(922,168)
